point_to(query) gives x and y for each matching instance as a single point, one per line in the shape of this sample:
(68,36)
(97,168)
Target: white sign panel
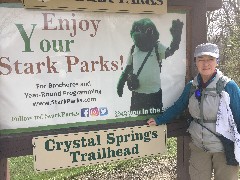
(66,68)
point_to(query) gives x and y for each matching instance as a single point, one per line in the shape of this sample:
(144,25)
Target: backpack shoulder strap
(219,88)
(221,83)
(192,90)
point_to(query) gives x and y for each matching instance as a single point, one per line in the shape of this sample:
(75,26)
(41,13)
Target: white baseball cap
(207,49)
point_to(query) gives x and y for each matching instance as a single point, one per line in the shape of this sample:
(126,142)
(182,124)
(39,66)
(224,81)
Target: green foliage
(21,168)
(172,147)
(223,27)
(230,64)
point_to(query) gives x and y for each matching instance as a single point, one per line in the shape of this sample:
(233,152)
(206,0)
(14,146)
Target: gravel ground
(161,168)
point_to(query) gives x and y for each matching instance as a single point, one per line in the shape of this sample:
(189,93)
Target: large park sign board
(61,69)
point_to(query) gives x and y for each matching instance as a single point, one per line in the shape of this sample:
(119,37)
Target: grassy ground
(21,168)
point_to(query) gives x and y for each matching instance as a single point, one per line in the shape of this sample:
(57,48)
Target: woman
(207,150)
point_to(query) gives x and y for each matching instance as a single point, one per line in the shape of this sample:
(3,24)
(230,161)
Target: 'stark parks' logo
(94,111)
(85,112)
(103,111)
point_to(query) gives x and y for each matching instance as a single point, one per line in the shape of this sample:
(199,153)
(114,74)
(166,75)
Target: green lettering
(76,143)
(119,152)
(47,145)
(110,138)
(25,37)
(154,134)
(48,45)
(59,144)
(74,155)
(126,152)
(68,145)
(91,142)
(84,144)
(135,149)
(91,156)
(119,140)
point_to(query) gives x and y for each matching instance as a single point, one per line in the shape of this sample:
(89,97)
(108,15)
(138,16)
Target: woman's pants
(203,163)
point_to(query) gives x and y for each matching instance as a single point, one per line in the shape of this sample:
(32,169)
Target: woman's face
(206,66)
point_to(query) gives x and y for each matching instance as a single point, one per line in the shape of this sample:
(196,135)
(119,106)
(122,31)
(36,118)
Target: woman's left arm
(234,92)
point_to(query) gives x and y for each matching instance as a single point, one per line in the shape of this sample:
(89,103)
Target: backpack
(219,88)
(228,145)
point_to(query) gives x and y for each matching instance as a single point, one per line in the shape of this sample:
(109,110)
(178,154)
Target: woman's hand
(151,122)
